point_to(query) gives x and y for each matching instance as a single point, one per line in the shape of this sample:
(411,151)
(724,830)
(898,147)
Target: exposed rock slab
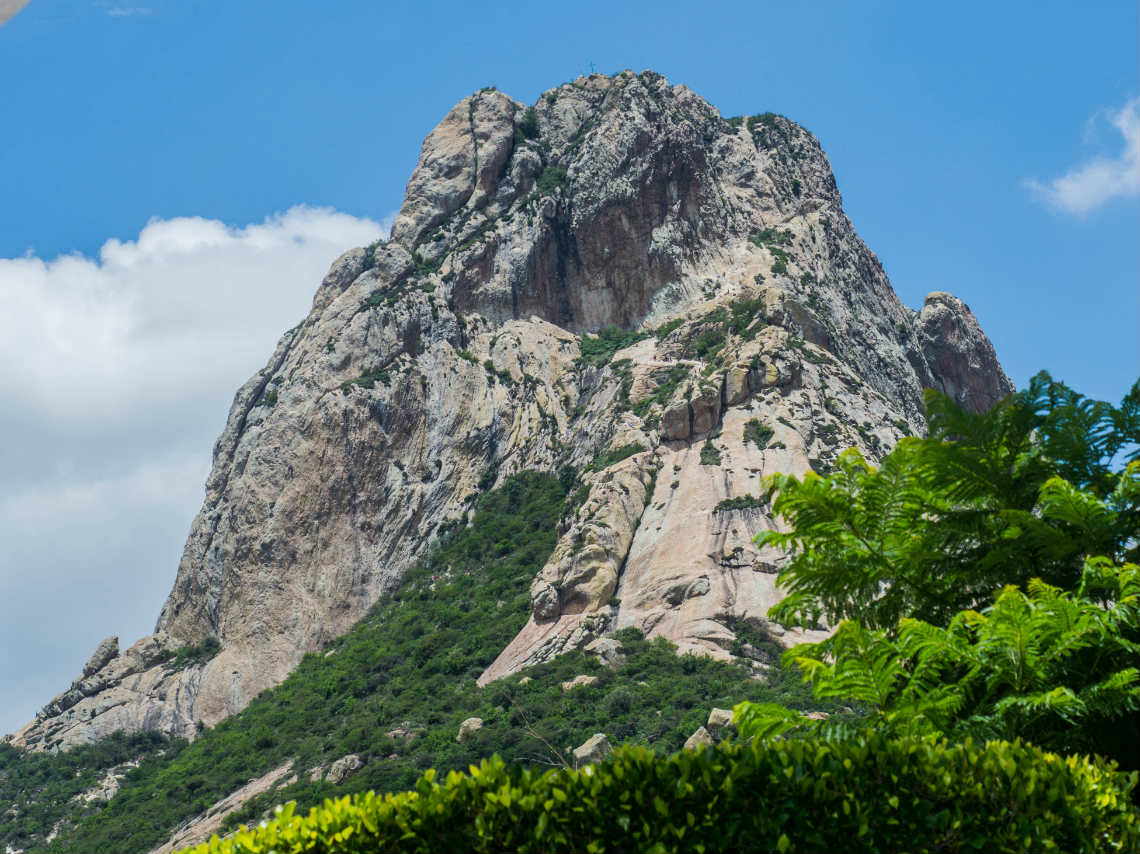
(201,828)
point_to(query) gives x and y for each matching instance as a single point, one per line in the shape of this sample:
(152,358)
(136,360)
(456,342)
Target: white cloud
(1092,184)
(188,304)
(116,375)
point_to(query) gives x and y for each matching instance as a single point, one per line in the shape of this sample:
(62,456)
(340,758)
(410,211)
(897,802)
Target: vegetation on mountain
(395,689)
(599,349)
(803,796)
(42,790)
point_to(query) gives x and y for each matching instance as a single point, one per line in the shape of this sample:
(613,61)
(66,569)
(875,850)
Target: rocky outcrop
(961,360)
(108,648)
(578,682)
(200,828)
(720,720)
(435,364)
(594,749)
(469,727)
(344,768)
(699,739)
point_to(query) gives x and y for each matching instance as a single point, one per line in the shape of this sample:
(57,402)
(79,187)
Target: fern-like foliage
(1027,490)
(1056,667)
(982,581)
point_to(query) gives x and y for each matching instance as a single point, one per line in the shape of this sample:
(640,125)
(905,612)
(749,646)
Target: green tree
(982,580)
(1026,490)
(1054,667)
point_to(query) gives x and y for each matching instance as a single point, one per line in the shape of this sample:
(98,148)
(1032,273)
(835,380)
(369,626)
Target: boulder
(344,768)
(578,681)
(468,727)
(608,651)
(719,720)
(594,749)
(706,412)
(698,739)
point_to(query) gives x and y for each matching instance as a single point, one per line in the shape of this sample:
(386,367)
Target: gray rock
(962,362)
(699,739)
(469,726)
(344,768)
(578,682)
(594,749)
(677,422)
(706,412)
(720,720)
(108,648)
(608,651)
(736,386)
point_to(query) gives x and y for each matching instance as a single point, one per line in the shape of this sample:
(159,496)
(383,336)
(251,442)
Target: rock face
(450,357)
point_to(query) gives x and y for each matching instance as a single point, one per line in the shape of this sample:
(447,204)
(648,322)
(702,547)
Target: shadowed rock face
(449,356)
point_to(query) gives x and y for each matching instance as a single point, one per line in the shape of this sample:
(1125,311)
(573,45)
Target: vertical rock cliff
(746,329)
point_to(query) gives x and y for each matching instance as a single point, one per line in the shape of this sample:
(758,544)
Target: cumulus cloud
(116,374)
(1092,184)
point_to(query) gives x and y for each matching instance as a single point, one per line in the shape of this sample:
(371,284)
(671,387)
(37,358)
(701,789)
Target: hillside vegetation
(411,665)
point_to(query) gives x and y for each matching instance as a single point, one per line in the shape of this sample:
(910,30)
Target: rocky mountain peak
(744,329)
(582,209)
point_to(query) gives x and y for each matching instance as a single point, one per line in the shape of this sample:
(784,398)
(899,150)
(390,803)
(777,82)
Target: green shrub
(198,653)
(771,237)
(599,349)
(744,312)
(423,266)
(528,126)
(664,390)
(710,454)
(665,329)
(42,790)
(551,178)
(369,260)
(741,502)
(608,458)
(709,343)
(758,433)
(414,658)
(803,796)
(368,379)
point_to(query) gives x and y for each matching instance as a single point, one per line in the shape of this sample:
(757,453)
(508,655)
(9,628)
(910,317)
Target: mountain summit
(616,284)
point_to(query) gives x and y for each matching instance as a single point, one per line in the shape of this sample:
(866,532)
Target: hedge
(875,795)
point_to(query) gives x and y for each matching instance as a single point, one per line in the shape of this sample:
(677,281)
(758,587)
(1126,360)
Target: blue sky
(296,125)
